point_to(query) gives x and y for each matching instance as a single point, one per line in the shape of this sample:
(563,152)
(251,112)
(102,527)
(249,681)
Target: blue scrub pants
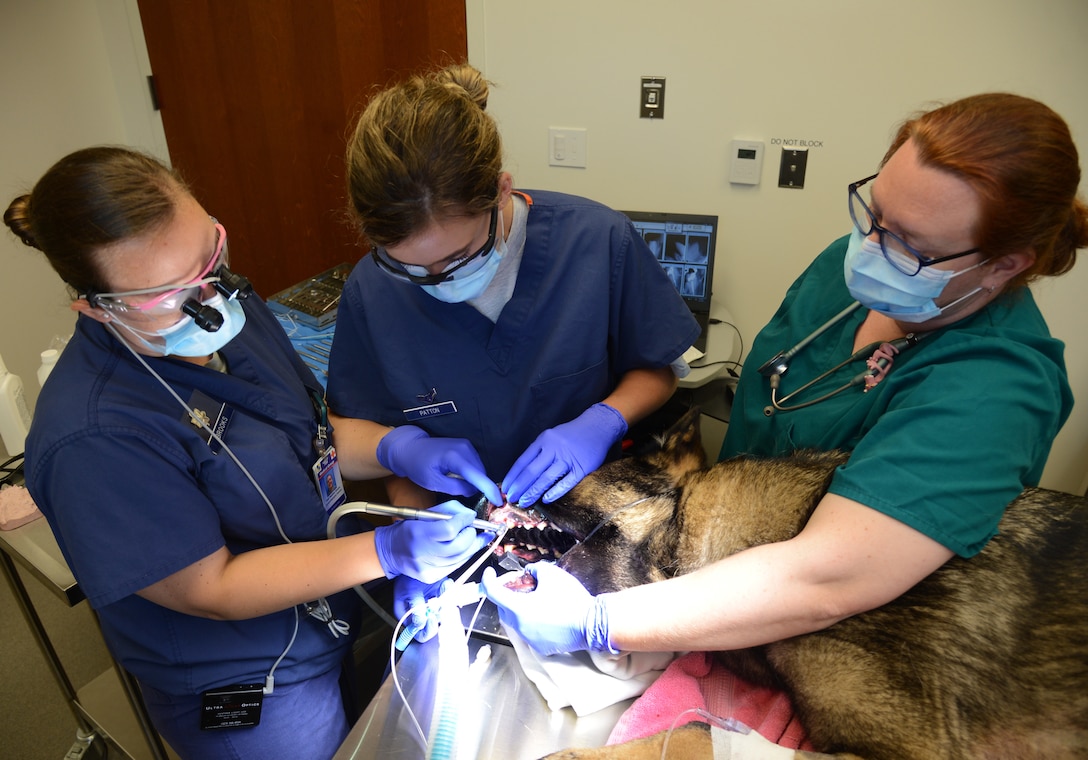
(301,721)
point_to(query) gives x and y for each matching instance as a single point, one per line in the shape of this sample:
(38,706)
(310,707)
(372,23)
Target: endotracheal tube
(455,678)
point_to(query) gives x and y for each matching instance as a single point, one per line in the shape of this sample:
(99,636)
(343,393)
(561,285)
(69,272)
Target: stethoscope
(877,366)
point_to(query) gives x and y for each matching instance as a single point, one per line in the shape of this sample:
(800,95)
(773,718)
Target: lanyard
(322,410)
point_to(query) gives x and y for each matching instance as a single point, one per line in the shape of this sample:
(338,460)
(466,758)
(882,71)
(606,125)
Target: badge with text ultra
(429,407)
(231,706)
(212,413)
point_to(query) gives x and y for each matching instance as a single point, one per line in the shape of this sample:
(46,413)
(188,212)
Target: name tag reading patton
(430,410)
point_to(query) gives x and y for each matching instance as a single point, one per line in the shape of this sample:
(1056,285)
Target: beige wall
(73,75)
(838,72)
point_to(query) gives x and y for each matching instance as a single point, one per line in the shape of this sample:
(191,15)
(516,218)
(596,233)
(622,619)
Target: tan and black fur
(986,658)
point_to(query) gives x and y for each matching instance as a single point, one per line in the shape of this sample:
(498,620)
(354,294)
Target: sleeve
(114,549)
(963,433)
(355,385)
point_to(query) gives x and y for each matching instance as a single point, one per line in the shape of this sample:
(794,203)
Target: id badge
(231,706)
(329,482)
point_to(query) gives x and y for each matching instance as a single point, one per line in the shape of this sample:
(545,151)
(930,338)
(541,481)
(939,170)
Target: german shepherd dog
(985,658)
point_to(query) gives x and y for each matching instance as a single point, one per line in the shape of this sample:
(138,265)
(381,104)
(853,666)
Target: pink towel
(16,508)
(698,680)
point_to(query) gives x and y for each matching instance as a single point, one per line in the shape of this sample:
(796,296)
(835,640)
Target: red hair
(1019,156)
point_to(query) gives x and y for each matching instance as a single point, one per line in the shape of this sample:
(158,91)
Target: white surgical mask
(188,339)
(881,287)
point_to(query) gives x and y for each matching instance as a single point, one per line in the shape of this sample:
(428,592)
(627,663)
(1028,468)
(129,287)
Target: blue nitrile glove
(558,616)
(408,593)
(428,550)
(563,455)
(445,465)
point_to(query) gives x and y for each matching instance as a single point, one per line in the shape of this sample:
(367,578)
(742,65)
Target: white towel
(585,681)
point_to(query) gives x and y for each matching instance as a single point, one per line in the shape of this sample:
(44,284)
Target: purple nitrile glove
(428,550)
(445,465)
(410,594)
(563,455)
(559,616)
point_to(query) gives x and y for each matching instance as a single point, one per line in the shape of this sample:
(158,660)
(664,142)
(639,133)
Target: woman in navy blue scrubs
(173,451)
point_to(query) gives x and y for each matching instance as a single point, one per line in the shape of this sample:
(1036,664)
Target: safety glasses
(170,298)
(417,274)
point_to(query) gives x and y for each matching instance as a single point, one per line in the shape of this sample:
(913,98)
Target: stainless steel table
(96,707)
(502,714)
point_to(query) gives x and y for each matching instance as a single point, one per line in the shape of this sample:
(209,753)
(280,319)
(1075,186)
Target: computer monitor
(684,244)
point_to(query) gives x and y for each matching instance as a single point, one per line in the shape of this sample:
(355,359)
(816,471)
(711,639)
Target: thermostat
(745,162)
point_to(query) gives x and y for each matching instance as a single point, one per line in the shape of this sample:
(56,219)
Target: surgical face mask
(471,280)
(186,338)
(874,282)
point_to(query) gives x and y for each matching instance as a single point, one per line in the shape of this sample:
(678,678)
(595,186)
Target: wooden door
(258,98)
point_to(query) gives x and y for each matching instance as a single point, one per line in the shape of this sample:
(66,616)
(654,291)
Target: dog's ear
(683,443)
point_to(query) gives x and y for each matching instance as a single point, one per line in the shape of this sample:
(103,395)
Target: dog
(985,658)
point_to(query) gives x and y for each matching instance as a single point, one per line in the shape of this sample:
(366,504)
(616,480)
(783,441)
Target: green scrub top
(961,424)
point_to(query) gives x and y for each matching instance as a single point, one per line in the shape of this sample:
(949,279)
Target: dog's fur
(986,658)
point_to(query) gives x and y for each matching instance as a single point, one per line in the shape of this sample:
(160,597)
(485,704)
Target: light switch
(651,104)
(567,146)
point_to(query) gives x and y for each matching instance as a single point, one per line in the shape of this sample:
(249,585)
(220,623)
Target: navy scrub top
(134,493)
(590,303)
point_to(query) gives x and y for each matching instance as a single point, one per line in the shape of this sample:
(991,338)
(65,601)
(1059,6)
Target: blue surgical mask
(471,280)
(881,287)
(186,338)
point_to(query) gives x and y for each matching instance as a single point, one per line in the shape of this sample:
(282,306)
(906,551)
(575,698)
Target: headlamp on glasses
(183,297)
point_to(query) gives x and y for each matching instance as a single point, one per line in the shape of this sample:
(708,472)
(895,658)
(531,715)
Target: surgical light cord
(197,418)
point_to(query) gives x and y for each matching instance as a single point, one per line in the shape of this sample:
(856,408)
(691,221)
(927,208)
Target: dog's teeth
(542,525)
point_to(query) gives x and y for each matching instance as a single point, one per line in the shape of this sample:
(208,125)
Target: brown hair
(424,149)
(1019,157)
(91,199)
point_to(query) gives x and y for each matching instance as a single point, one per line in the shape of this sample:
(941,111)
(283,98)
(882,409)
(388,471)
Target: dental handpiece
(408,513)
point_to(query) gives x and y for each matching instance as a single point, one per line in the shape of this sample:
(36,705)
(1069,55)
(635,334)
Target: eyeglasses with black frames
(400,270)
(897,251)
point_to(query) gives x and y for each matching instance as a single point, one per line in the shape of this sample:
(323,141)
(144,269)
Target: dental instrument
(408,513)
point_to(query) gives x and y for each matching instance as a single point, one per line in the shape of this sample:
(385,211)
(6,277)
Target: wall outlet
(791,172)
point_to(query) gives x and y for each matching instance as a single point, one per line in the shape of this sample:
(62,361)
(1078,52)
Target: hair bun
(17,218)
(469,79)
